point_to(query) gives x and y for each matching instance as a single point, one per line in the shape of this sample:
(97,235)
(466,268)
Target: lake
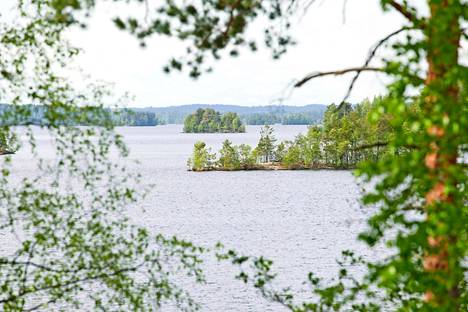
(300,219)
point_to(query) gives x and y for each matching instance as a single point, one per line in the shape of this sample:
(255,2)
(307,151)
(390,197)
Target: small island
(349,134)
(8,142)
(210,121)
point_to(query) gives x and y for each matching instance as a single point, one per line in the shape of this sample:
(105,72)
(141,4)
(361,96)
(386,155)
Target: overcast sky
(325,43)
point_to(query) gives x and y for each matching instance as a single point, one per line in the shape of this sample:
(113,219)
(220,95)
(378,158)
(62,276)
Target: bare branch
(404,11)
(72,282)
(41,305)
(345,2)
(146,10)
(335,73)
(36,265)
(370,56)
(382,144)
(231,19)
(359,70)
(372,145)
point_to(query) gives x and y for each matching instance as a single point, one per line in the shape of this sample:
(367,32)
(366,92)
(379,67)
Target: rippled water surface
(300,219)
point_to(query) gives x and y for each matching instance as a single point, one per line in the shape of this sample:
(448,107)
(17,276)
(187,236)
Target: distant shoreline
(6,153)
(271,167)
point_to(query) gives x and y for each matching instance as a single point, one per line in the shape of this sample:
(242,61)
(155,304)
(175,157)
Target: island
(349,134)
(8,142)
(210,121)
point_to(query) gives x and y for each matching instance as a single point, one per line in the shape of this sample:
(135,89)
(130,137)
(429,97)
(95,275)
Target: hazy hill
(307,114)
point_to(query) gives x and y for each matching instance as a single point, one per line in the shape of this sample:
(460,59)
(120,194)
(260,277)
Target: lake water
(300,219)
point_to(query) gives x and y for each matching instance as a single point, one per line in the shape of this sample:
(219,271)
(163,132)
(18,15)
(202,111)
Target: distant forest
(152,116)
(39,115)
(251,115)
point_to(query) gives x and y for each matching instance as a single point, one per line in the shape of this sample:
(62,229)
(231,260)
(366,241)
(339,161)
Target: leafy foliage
(346,137)
(211,27)
(202,157)
(8,142)
(420,193)
(70,244)
(209,120)
(229,156)
(265,149)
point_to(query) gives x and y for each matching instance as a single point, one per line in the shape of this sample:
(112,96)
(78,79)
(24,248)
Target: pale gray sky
(325,43)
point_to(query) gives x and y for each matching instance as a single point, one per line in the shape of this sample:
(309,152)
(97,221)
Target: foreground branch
(370,56)
(359,70)
(404,11)
(335,73)
(382,144)
(66,284)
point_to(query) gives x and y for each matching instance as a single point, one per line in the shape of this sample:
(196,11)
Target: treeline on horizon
(152,116)
(249,115)
(349,134)
(210,121)
(305,118)
(86,115)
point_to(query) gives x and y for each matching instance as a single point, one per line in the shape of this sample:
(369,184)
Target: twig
(345,2)
(146,11)
(379,144)
(6,153)
(69,283)
(372,145)
(311,76)
(40,305)
(230,21)
(36,265)
(404,11)
(370,56)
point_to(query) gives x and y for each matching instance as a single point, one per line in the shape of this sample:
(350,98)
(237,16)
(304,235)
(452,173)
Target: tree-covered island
(348,135)
(8,142)
(210,121)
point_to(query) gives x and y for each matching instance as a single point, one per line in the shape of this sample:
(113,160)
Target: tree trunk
(443,38)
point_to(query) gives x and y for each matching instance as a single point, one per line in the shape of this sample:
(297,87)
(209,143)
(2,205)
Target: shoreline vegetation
(210,121)
(273,166)
(349,134)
